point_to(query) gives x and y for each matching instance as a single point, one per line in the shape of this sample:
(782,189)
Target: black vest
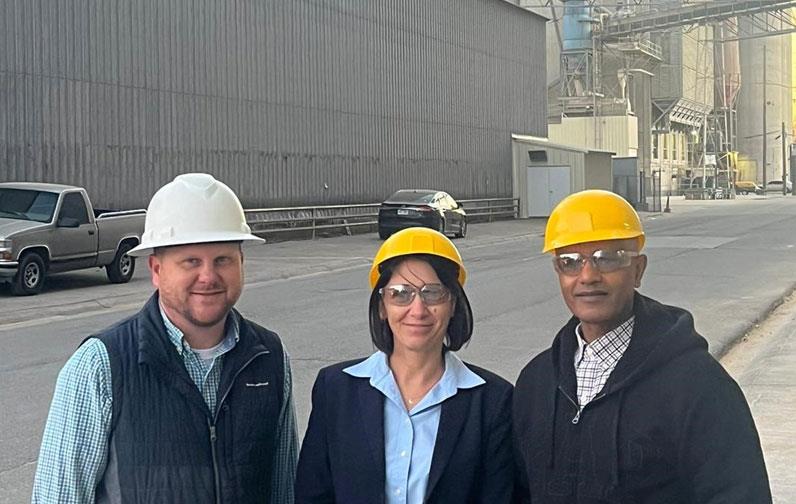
(166,446)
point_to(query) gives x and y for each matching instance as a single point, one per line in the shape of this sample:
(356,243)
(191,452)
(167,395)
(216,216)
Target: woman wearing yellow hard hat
(411,423)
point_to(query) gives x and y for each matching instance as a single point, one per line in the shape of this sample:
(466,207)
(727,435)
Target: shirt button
(398,492)
(403,453)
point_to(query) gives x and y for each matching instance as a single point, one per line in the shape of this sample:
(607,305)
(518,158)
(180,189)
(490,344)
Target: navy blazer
(342,457)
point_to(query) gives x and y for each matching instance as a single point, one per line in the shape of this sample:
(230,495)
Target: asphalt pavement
(762,362)
(731,270)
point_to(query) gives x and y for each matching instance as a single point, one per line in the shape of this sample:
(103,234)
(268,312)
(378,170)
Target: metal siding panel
(276,98)
(6,18)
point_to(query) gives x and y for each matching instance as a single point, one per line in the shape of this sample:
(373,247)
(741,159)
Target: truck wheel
(30,278)
(121,269)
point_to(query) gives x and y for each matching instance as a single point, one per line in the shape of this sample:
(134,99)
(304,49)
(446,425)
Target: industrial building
(290,103)
(679,85)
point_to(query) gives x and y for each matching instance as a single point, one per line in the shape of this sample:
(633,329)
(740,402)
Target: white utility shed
(544,173)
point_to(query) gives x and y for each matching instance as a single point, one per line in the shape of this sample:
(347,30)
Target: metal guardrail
(491,207)
(265,221)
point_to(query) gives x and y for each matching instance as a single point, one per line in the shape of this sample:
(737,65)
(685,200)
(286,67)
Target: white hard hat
(193,208)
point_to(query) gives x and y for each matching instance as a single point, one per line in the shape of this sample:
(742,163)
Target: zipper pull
(577,417)
(212,433)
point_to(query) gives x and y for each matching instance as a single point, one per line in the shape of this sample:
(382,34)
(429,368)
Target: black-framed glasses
(604,261)
(404,294)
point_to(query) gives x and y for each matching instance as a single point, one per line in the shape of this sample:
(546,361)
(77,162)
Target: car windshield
(25,204)
(412,197)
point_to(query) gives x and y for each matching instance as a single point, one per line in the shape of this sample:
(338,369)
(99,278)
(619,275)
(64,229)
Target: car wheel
(383,234)
(463,229)
(123,266)
(29,279)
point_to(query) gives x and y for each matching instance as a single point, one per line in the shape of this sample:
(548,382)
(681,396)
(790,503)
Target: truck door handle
(91,231)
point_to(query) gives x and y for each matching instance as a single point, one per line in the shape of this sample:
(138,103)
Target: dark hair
(460,327)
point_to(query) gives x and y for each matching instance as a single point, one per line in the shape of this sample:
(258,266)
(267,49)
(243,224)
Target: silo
(726,61)
(750,105)
(731,64)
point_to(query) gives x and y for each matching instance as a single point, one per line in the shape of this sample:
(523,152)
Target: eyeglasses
(604,261)
(404,294)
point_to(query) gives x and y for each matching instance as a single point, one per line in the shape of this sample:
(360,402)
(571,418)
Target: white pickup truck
(51,228)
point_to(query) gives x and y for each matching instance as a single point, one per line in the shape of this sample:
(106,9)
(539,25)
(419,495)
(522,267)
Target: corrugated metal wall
(299,102)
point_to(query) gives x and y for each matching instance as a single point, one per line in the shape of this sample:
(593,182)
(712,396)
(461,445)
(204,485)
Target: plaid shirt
(595,361)
(74,447)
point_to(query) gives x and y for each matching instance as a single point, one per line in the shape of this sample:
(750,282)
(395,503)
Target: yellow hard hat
(416,240)
(589,216)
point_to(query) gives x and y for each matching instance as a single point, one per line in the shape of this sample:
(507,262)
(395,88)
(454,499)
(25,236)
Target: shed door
(547,185)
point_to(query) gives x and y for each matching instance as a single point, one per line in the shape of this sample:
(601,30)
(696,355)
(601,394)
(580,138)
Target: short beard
(199,323)
(189,317)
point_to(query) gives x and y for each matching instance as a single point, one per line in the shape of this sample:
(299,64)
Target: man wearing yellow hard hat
(627,405)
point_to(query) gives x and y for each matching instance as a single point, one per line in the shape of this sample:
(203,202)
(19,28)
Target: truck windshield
(25,204)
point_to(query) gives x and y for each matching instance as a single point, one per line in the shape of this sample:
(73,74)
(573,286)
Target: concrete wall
(298,102)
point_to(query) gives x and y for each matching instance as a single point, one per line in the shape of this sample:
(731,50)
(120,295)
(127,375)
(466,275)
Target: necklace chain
(413,401)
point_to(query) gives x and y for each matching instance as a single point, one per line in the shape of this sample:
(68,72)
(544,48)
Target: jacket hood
(661,333)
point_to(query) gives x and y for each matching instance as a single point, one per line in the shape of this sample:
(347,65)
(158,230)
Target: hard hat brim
(200,238)
(578,238)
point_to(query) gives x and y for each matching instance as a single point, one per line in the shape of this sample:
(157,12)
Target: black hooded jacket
(670,426)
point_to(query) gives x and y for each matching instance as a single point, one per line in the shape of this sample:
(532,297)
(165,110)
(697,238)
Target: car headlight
(5,250)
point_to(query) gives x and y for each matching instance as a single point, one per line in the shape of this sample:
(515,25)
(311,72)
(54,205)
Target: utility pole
(784,162)
(765,106)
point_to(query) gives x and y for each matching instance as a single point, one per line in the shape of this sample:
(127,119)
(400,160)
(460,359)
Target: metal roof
(544,142)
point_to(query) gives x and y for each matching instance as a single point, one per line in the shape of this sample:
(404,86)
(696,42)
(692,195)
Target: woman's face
(419,326)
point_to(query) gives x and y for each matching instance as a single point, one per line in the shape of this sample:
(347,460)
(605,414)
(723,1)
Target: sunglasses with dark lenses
(604,261)
(404,294)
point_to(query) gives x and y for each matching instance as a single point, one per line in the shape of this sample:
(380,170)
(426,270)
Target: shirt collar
(456,376)
(177,337)
(608,348)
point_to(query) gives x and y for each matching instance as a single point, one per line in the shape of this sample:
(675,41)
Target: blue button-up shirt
(74,447)
(410,436)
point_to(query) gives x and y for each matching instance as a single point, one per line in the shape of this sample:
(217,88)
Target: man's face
(601,300)
(198,284)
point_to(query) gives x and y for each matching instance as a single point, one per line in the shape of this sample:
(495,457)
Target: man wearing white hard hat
(186,401)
